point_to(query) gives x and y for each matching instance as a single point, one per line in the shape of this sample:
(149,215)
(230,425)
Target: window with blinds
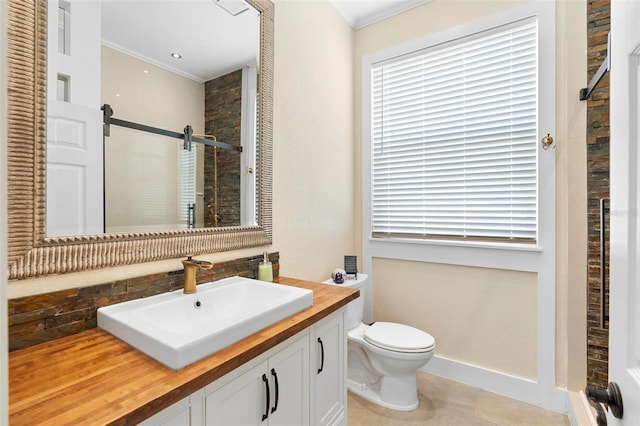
(454,139)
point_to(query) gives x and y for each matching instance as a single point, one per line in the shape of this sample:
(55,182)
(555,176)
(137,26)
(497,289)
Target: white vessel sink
(178,329)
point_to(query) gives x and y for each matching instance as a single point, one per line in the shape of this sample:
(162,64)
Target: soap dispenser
(265,270)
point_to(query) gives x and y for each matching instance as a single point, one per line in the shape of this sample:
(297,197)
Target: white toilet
(383,357)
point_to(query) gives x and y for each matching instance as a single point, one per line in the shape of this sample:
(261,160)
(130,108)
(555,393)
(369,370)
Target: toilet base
(372,393)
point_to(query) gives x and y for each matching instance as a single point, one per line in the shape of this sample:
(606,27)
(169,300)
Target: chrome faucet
(190,268)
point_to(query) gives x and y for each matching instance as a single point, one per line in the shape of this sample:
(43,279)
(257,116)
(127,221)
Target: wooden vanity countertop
(95,378)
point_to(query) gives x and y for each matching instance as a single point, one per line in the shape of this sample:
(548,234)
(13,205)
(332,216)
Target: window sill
(517,257)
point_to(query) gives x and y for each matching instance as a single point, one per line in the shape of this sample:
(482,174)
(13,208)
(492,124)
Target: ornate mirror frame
(30,252)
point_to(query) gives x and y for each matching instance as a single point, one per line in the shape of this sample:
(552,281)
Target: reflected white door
(624,334)
(74,178)
(75,190)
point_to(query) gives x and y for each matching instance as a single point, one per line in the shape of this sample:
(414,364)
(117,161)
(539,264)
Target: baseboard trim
(580,413)
(524,390)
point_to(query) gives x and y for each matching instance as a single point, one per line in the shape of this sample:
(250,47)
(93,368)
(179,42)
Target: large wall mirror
(138,130)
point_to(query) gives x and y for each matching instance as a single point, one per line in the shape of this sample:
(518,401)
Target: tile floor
(444,402)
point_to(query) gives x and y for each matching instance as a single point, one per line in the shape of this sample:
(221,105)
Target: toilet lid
(399,337)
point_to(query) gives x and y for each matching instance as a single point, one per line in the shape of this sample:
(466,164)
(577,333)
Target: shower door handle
(191,215)
(603,260)
(611,397)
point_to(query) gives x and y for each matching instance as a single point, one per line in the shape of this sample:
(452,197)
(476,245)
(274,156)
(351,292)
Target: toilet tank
(355,308)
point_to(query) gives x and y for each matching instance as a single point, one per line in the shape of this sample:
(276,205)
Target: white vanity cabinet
(274,392)
(328,371)
(301,381)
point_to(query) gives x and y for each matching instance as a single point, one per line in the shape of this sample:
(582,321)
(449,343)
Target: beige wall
(313,139)
(157,98)
(456,292)
(478,316)
(571,196)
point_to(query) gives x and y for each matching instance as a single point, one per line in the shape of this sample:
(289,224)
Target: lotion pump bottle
(265,270)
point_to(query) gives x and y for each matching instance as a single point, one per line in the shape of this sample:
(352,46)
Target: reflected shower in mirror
(162,64)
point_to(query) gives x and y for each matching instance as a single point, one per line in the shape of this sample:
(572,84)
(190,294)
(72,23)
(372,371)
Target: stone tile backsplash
(598,26)
(44,317)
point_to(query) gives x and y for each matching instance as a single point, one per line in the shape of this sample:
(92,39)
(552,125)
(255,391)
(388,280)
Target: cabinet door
(273,393)
(328,371)
(241,402)
(289,375)
(186,412)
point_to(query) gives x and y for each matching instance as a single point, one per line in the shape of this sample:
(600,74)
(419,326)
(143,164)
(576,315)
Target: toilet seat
(398,337)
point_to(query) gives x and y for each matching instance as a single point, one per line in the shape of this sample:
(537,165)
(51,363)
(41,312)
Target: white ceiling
(360,13)
(211,41)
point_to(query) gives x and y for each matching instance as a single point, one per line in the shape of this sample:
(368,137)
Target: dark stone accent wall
(597,187)
(45,317)
(223,107)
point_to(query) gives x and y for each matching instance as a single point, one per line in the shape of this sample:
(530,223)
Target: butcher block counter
(95,378)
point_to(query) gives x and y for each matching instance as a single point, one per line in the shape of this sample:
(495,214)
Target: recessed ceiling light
(145,71)
(176,56)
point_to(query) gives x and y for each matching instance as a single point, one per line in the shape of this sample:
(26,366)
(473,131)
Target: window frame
(516,256)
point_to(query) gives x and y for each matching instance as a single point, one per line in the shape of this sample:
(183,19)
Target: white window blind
(454,139)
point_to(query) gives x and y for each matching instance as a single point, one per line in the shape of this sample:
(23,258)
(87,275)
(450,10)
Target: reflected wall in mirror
(43,104)
(132,56)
